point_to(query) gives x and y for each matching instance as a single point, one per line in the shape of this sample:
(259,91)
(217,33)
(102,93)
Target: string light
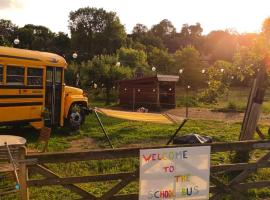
(203,71)
(222,70)
(181,71)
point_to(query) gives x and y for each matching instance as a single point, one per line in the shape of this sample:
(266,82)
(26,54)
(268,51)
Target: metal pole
(133,99)
(186,101)
(103,129)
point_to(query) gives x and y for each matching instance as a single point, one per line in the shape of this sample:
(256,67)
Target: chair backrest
(4,156)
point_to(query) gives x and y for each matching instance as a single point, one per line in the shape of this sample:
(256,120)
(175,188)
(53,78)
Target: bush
(190,101)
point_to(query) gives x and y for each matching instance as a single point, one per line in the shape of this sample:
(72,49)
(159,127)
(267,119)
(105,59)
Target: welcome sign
(175,173)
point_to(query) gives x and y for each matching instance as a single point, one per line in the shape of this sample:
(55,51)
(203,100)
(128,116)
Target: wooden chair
(9,181)
(44,137)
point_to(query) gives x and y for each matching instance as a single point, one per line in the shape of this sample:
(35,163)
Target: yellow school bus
(32,91)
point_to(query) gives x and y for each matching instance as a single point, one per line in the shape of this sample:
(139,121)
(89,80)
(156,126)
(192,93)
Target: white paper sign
(175,173)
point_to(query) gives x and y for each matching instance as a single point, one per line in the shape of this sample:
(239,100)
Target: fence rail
(235,187)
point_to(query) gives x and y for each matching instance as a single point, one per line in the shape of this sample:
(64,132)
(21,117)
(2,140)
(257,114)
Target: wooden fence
(236,187)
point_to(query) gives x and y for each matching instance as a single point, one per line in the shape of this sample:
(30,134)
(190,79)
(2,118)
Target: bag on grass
(192,139)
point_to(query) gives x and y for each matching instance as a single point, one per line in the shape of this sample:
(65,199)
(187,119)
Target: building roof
(44,58)
(169,78)
(160,78)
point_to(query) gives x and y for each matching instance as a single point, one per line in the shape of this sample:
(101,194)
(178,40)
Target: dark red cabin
(151,92)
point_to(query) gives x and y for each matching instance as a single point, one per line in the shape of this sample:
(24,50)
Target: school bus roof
(42,58)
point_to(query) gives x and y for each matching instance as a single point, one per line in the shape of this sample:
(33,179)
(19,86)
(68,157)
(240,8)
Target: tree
(61,44)
(139,30)
(161,60)
(163,29)
(95,31)
(36,37)
(191,35)
(104,70)
(132,58)
(221,45)
(189,60)
(7,32)
(219,80)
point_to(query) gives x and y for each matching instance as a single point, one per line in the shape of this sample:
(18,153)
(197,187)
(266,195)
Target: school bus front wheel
(76,116)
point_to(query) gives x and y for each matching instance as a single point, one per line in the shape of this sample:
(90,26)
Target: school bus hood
(73,90)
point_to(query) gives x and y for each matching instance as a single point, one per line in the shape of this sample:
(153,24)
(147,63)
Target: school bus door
(53,96)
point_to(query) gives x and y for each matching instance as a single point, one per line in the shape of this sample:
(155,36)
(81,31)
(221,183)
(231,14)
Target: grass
(235,100)
(138,134)
(126,134)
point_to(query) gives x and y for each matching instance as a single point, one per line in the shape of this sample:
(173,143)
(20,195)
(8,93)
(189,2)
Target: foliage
(132,58)
(161,60)
(219,76)
(189,60)
(104,71)
(95,31)
(7,32)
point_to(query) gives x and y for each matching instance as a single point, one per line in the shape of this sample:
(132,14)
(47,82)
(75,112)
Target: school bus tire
(76,116)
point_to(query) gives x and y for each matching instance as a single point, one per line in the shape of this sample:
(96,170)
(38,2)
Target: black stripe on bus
(20,87)
(21,121)
(20,104)
(19,57)
(20,96)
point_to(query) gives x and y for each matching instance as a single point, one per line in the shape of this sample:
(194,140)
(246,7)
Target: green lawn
(125,134)
(236,99)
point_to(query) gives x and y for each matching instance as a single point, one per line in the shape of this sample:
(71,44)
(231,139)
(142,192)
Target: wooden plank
(80,179)
(261,135)
(48,173)
(134,152)
(239,166)
(23,175)
(247,172)
(252,185)
(225,189)
(114,190)
(125,197)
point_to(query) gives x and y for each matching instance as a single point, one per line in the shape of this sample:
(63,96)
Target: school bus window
(58,76)
(34,76)
(49,76)
(15,75)
(1,74)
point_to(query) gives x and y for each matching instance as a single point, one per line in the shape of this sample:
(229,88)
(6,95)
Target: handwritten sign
(175,173)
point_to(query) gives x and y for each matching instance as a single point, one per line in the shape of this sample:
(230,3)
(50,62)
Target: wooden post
(133,99)
(23,175)
(254,104)
(158,96)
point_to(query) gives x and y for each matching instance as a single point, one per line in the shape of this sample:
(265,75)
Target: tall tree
(104,71)
(189,60)
(95,31)
(7,32)
(36,37)
(132,58)
(161,60)
(221,45)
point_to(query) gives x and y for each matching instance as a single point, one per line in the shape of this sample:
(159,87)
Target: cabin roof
(159,78)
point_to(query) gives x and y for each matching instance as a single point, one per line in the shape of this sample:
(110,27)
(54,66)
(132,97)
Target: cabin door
(53,96)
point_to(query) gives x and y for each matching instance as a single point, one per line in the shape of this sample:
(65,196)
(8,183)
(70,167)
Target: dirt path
(207,114)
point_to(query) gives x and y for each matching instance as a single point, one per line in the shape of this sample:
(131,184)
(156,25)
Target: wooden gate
(236,186)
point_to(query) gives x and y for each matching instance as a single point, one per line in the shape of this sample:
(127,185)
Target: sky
(239,15)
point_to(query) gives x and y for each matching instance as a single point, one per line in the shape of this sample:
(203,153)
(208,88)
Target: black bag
(192,139)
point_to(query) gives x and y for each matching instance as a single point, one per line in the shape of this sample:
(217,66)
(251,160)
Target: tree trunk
(108,92)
